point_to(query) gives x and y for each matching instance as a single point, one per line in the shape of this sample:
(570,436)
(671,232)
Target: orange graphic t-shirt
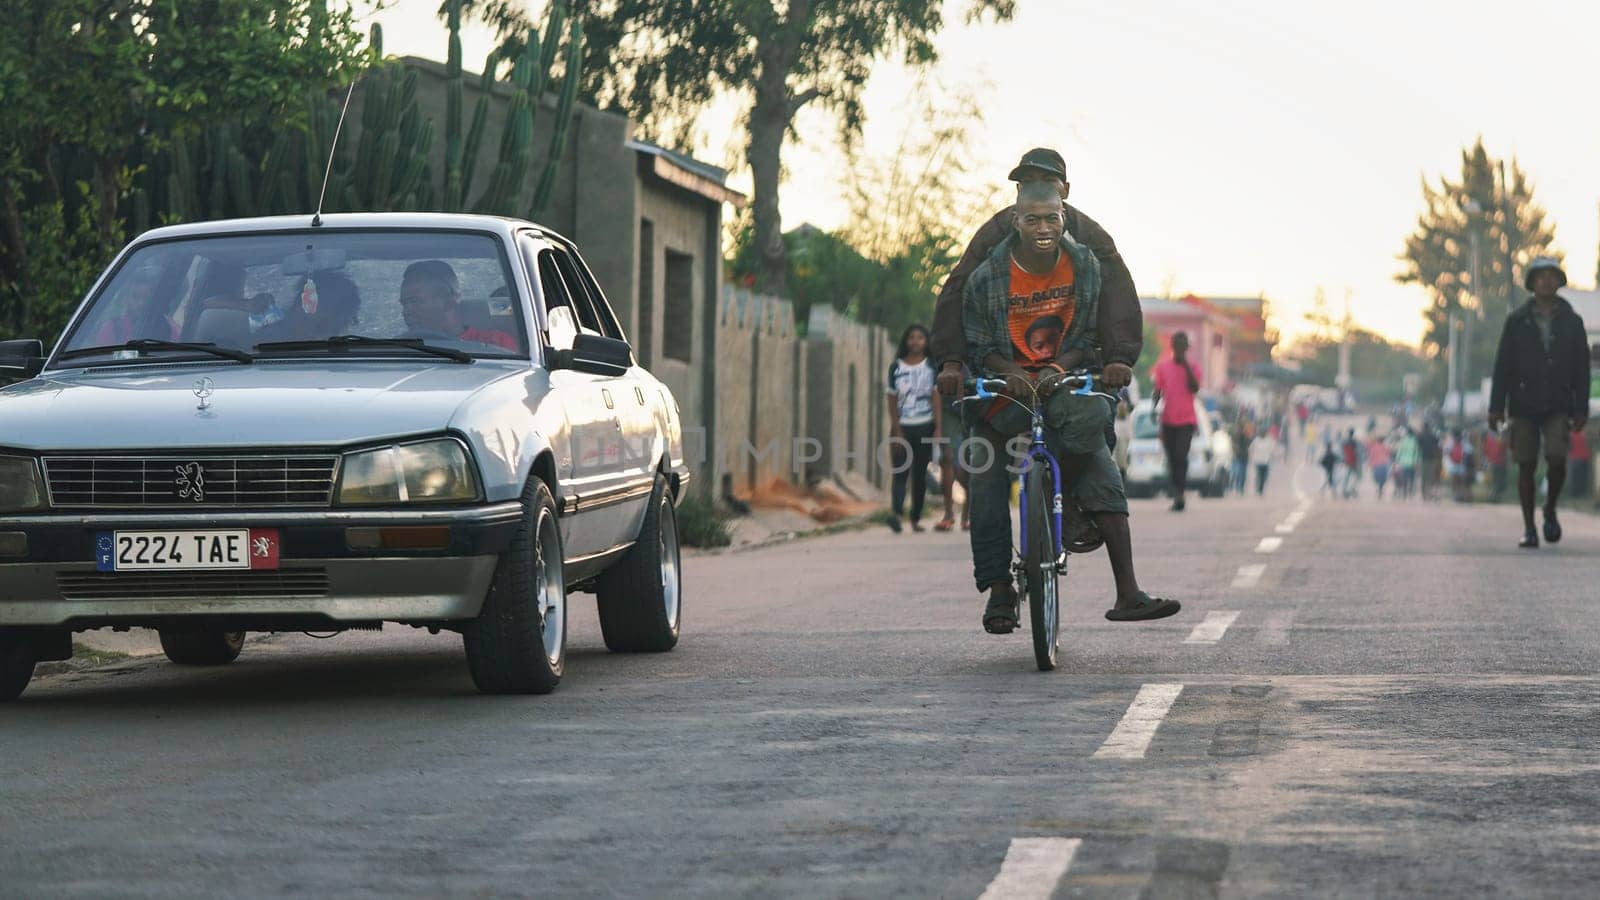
(1039,312)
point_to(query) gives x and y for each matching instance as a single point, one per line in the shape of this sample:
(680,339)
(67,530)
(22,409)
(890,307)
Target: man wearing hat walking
(1541,380)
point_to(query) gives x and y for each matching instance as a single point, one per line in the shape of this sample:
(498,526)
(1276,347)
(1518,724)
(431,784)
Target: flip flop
(944,525)
(1146,609)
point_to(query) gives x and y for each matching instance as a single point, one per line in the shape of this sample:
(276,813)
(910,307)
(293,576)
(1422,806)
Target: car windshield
(246,292)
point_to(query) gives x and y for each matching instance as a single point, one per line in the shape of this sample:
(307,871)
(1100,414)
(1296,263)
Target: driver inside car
(430,297)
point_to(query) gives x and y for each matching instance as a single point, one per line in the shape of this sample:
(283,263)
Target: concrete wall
(762,387)
(815,405)
(849,382)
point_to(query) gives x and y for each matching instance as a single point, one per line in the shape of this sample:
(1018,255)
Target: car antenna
(316,217)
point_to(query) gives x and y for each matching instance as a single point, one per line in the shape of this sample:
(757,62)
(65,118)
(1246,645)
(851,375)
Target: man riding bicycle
(1040,272)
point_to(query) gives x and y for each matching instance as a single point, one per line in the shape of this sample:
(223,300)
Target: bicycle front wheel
(1039,567)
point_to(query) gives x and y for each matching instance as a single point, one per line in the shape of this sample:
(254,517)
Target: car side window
(583,305)
(581,280)
(561,319)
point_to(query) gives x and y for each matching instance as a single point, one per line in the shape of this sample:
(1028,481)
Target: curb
(854,523)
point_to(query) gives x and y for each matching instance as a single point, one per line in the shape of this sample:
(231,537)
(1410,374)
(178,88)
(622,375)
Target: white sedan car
(1210,454)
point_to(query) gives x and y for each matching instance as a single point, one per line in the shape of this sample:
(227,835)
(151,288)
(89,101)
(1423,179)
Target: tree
(655,59)
(1379,367)
(1512,229)
(885,266)
(94,90)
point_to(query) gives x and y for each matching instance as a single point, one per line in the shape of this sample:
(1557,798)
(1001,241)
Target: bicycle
(1043,559)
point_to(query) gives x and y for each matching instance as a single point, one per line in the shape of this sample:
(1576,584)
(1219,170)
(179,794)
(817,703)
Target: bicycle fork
(1056,563)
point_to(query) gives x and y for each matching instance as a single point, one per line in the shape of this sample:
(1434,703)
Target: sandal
(944,524)
(1145,609)
(1001,615)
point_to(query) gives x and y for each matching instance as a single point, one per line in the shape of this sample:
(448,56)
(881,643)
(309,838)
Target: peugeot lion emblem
(191,481)
(204,388)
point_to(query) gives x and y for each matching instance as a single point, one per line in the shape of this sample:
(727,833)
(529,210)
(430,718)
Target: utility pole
(1464,370)
(1343,378)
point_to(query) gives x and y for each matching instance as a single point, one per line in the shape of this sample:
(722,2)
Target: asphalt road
(1379,700)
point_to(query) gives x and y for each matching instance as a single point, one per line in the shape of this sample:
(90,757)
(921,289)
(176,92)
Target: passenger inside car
(430,297)
(327,304)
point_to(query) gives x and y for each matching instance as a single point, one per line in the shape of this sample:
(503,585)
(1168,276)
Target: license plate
(224,548)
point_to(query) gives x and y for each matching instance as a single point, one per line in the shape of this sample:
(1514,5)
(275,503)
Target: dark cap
(1045,160)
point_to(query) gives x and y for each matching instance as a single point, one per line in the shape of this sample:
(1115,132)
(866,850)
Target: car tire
(641,594)
(201,647)
(17,658)
(518,642)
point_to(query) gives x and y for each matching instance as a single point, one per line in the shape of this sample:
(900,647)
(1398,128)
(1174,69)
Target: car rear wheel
(17,658)
(641,594)
(518,642)
(201,646)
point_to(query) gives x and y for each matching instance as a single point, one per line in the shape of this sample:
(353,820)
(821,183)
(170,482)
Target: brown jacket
(1121,320)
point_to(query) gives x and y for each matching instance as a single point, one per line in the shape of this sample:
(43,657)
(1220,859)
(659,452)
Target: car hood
(301,404)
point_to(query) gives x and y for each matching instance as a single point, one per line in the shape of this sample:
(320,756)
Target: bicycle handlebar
(1081,380)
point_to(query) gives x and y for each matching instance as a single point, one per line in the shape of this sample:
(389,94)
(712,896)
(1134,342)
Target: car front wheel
(17,659)
(641,594)
(518,642)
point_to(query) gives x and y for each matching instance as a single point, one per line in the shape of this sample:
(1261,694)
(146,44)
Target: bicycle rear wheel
(1039,567)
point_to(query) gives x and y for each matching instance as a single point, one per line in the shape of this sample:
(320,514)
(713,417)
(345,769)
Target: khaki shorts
(1527,433)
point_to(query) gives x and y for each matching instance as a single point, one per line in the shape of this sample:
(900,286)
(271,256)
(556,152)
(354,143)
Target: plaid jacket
(985,303)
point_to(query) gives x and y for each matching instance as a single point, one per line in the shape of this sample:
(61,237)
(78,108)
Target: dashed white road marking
(1287,527)
(1275,628)
(1132,736)
(1249,576)
(1032,868)
(1269,545)
(1213,627)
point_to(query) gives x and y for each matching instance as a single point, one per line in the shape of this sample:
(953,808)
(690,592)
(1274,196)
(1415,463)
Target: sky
(1236,147)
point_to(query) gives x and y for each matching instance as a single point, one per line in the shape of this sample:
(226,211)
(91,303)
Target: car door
(635,457)
(641,411)
(589,404)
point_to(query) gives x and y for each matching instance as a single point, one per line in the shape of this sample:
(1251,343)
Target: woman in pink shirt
(1379,460)
(1178,380)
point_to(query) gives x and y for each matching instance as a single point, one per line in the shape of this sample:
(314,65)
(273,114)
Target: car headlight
(424,472)
(20,487)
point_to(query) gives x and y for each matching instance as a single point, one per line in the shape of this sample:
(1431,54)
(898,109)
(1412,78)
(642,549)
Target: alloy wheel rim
(671,585)
(552,591)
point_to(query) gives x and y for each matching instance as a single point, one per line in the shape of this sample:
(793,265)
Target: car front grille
(137,482)
(249,584)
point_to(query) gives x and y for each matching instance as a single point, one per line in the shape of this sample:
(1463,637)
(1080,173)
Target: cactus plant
(253,168)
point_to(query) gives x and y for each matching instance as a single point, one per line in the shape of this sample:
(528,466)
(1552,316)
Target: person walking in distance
(1580,466)
(1242,434)
(914,420)
(1261,450)
(1494,453)
(1329,462)
(1407,458)
(1378,460)
(1541,381)
(1351,453)
(1177,381)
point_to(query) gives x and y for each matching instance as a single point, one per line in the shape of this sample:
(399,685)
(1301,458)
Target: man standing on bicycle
(1036,273)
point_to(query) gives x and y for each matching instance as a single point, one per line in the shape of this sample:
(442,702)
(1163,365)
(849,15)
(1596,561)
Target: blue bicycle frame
(1038,450)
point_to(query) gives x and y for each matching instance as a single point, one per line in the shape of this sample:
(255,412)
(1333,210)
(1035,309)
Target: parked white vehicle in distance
(1210,454)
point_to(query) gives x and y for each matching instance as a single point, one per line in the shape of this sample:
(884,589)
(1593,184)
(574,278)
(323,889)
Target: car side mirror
(595,354)
(21,359)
